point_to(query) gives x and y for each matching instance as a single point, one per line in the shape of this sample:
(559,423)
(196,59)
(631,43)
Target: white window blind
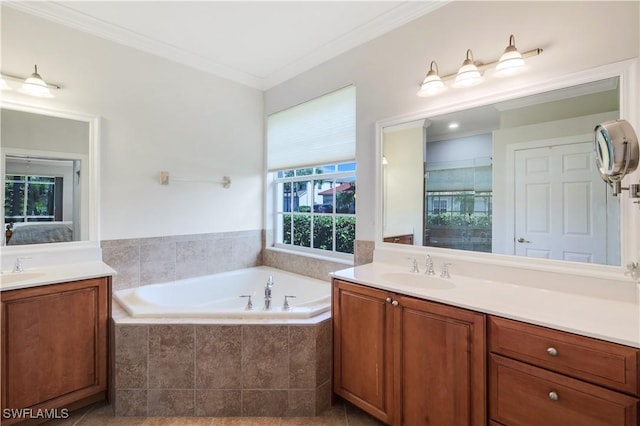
(319,131)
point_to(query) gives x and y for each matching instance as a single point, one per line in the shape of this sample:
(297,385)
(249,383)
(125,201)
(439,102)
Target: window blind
(319,131)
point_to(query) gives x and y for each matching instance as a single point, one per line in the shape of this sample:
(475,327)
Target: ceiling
(256,43)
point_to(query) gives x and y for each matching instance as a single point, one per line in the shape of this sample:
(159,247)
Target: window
(459,220)
(315,207)
(30,198)
(310,153)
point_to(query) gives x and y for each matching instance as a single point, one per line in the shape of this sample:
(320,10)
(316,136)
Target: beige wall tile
(302,357)
(171,402)
(126,261)
(264,403)
(265,357)
(191,259)
(218,403)
(157,263)
(323,352)
(130,357)
(218,356)
(131,402)
(171,357)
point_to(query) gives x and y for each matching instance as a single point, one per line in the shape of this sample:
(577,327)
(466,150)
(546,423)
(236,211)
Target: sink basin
(14,277)
(418,280)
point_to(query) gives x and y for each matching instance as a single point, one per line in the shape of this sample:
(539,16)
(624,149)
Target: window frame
(278,211)
(26,179)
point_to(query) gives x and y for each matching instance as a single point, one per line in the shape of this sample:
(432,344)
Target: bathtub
(219,296)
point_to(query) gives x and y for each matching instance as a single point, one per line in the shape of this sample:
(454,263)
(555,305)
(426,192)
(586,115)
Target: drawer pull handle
(394,303)
(553,396)
(388,300)
(552,351)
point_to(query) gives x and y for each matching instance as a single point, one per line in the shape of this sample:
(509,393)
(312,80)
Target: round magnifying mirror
(616,149)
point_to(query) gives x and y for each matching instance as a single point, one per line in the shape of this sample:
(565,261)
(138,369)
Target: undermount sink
(14,277)
(418,280)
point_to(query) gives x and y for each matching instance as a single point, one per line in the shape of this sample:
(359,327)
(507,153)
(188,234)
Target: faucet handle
(445,270)
(249,304)
(270,281)
(285,305)
(414,265)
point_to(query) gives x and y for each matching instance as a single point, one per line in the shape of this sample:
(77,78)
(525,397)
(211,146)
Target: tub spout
(267,293)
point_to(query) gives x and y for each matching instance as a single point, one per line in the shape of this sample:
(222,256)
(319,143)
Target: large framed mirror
(49,177)
(508,175)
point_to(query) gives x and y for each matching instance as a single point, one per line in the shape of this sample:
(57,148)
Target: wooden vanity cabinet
(54,345)
(408,361)
(543,376)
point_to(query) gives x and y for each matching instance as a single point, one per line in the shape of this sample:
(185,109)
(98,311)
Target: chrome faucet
(267,293)
(414,266)
(19,266)
(428,264)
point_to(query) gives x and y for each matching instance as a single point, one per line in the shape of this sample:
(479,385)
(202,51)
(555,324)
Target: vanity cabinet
(408,361)
(543,376)
(54,345)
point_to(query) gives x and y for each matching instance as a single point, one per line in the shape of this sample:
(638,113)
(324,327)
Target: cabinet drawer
(596,361)
(524,395)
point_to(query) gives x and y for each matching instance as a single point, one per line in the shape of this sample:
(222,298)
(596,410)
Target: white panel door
(557,210)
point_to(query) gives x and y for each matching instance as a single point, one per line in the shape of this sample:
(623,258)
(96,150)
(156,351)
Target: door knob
(522,240)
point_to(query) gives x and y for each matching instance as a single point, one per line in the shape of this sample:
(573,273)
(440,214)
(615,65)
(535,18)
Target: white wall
(156,115)
(575,36)
(404,183)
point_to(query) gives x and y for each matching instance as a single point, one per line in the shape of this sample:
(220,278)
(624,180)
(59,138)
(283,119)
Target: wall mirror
(515,176)
(49,176)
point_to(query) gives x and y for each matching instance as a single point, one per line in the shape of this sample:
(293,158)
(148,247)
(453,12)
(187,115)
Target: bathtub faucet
(267,293)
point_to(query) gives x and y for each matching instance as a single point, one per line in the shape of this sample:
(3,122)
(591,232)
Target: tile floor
(341,414)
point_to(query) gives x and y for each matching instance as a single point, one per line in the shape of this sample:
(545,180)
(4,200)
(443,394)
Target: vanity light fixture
(511,60)
(432,83)
(33,85)
(470,73)
(453,125)
(3,84)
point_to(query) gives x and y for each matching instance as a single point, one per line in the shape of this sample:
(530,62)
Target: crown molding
(71,18)
(386,22)
(398,16)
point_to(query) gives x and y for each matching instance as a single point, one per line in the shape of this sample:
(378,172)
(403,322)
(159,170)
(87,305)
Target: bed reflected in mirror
(41,200)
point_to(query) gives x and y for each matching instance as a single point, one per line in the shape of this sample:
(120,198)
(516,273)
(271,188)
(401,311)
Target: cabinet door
(443,364)
(362,348)
(54,344)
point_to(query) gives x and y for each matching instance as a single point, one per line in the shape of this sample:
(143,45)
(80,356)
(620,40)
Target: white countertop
(37,276)
(614,317)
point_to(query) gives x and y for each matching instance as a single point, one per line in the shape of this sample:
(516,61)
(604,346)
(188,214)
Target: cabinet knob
(552,351)
(394,303)
(388,300)
(553,396)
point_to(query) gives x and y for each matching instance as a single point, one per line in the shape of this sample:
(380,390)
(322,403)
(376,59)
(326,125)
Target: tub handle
(249,304)
(285,305)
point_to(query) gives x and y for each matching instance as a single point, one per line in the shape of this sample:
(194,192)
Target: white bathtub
(218,296)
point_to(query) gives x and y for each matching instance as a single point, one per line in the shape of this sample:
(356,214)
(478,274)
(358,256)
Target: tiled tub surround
(221,370)
(142,261)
